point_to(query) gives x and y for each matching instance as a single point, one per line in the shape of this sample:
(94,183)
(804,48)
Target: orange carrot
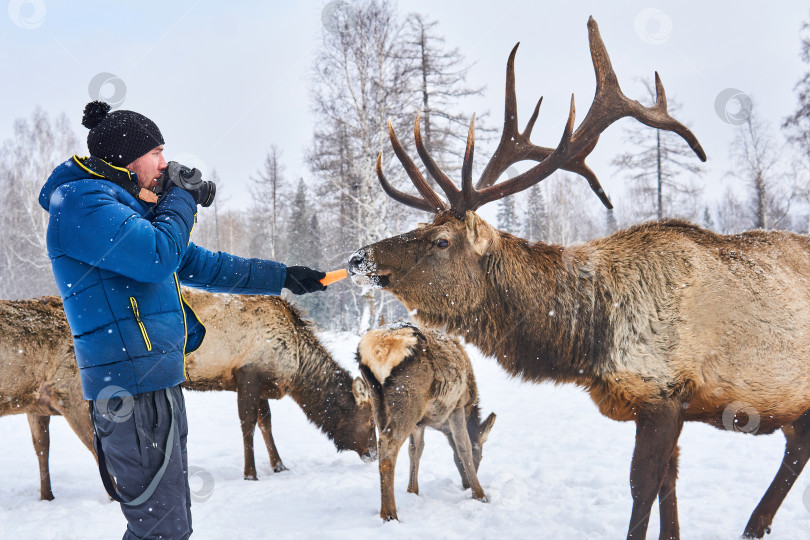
(335,275)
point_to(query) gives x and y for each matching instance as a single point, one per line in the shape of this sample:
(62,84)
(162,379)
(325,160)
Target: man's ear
(479,234)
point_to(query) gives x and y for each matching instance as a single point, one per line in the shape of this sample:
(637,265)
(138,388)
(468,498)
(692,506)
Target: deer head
(479,433)
(356,429)
(437,266)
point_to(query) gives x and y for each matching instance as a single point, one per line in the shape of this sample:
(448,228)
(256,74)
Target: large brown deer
(662,323)
(39,376)
(422,378)
(261,348)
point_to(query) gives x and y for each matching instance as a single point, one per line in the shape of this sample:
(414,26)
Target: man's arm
(96,228)
(226,273)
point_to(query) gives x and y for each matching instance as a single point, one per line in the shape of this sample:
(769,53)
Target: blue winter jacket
(119,263)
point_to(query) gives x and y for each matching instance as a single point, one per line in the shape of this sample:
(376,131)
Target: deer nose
(369,456)
(356,260)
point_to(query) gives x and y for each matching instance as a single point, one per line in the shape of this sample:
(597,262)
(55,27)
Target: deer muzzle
(365,273)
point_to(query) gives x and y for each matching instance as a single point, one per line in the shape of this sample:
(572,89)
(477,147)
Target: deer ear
(479,234)
(486,426)
(360,391)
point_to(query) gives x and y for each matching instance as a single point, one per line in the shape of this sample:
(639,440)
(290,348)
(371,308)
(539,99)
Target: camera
(190,180)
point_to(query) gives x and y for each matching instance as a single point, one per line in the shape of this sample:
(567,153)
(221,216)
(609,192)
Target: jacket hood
(78,168)
(64,173)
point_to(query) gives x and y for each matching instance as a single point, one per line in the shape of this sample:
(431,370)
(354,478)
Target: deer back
(416,373)
(262,330)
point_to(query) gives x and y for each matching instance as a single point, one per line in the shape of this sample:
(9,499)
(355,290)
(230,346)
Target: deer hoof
(280,468)
(757,532)
(389,516)
(250,477)
(481,497)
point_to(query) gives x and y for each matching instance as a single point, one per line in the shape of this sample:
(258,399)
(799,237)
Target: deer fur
(39,376)
(661,323)
(422,378)
(261,348)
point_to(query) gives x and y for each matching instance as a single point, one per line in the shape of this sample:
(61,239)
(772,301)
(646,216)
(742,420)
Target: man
(119,254)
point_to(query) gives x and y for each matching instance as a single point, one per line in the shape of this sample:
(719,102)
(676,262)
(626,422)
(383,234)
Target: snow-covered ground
(552,468)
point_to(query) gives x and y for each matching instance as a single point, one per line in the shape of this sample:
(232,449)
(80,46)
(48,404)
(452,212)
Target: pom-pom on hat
(119,137)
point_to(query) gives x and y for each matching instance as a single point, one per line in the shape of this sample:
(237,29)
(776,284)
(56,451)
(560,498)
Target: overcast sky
(225,81)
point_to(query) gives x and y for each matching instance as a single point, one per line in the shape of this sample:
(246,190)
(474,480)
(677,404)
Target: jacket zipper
(140,323)
(185,324)
(183,311)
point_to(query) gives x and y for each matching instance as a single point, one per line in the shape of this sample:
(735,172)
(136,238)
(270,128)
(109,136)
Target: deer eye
(442,243)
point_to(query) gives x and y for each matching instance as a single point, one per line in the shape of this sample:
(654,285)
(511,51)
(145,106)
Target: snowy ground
(552,468)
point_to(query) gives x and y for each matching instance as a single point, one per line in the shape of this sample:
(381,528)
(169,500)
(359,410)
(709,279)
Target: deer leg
(459,465)
(78,418)
(265,427)
(42,439)
(247,402)
(415,453)
(391,440)
(668,502)
(463,450)
(657,432)
(797,452)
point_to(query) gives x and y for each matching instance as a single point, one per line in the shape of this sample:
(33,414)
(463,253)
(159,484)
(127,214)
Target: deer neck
(544,316)
(321,387)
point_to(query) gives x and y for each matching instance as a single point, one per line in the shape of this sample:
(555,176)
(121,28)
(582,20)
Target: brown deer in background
(257,346)
(39,375)
(422,378)
(662,323)
(261,348)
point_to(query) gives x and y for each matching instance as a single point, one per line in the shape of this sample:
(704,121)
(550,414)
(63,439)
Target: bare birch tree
(757,156)
(266,190)
(27,159)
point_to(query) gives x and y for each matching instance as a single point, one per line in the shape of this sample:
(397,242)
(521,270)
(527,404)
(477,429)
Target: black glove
(303,279)
(191,180)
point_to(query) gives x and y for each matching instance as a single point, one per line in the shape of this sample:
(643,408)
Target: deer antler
(430,202)
(609,104)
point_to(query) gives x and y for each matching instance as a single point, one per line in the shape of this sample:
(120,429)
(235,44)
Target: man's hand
(191,180)
(303,279)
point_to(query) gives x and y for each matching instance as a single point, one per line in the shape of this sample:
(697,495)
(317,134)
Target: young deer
(662,323)
(39,376)
(422,378)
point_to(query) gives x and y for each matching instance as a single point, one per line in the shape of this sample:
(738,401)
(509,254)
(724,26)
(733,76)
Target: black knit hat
(119,137)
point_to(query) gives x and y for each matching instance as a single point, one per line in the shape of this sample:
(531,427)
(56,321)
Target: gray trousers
(132,432)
